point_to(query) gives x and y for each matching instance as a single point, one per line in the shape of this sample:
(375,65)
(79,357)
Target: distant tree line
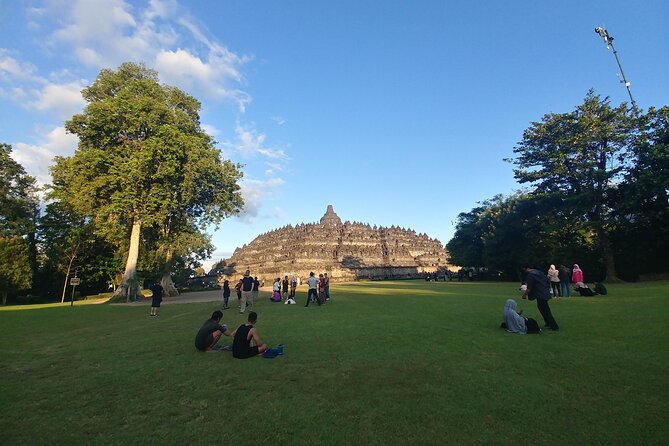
(133,202)
(596,193)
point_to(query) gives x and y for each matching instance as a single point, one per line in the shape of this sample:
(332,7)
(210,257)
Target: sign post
(74,281)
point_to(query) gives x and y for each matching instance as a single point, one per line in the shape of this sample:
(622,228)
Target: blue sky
(395,112)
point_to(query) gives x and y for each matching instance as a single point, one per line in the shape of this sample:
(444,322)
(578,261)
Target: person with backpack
(514,322)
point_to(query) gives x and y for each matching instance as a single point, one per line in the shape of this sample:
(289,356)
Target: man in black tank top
(247,343)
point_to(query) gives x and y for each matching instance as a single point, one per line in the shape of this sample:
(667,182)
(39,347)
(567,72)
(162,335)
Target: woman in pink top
(577,274)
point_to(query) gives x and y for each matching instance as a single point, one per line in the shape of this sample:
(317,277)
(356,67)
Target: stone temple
(346,251)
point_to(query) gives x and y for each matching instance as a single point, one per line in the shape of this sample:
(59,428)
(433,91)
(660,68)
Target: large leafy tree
(643,199)
(19,210)
(579,157)
(143,159)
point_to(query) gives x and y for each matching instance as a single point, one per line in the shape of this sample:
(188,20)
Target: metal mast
(609,44)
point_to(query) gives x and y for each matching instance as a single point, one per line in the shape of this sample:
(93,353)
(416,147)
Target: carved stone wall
(346,251)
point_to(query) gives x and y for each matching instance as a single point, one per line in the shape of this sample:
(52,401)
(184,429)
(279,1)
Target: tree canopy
(143,161)
(597,184)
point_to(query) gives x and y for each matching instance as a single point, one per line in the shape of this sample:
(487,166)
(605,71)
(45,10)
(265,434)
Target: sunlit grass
(405,362)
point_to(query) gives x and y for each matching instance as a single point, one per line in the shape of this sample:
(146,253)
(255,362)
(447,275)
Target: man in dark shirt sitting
(539,289)
(246,341)
(210,333)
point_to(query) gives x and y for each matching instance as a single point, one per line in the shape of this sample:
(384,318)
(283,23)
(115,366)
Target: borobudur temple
(346,251)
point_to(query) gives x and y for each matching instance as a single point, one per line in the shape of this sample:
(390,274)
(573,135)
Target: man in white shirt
(313,283)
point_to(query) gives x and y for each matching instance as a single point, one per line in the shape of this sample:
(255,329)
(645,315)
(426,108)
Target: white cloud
(273,169)
(254,193)
(162,35)
(37,158)
(278,119)
(251,144)
(65,99)
(13,70)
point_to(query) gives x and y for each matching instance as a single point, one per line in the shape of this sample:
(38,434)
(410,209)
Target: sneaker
(280,349)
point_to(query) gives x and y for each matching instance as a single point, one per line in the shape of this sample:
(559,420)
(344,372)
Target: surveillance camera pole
(609,43)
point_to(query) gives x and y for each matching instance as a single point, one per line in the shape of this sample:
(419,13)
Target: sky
(394,112)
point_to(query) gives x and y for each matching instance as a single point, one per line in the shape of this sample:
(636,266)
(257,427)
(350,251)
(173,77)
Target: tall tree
(643,199)
(579,156)
(142,156)
(19,210)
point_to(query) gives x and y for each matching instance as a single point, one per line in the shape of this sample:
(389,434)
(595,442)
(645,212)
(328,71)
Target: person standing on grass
(210,332)
(321,288)
(564,274)
(326,287)
(246,341)
(256,286)
(538,289)
(247,292)
(157,298)
(284,288)
(238,290)
(553,276)
(293,287)
(226,294)
(313,283)
(576,274)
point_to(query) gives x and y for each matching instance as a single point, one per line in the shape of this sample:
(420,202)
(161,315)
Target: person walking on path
(210,332)
(246,340)
(553,276)
(576,274)
(312,281)
(564,275)
(157,298)
(538,289)
(226,293)
(247,292)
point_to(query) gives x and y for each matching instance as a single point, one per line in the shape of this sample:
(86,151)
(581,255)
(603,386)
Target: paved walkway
(192,297)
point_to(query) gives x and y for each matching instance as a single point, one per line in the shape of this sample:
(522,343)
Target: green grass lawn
(404,362)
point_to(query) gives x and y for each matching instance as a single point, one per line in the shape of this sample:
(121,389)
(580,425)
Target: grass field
(386,363)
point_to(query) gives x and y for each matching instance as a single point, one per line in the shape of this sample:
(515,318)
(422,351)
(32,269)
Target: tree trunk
(609,258)
(4,297)
(128,290)
(169,289)
(67,274)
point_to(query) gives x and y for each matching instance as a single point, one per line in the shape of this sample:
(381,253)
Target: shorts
(250,353)
(155,302)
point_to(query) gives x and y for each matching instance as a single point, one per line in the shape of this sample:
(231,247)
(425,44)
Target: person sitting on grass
(246,341)
(210,333)
(515,323)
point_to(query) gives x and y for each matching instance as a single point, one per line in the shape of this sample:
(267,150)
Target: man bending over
(246,341)
(211,332)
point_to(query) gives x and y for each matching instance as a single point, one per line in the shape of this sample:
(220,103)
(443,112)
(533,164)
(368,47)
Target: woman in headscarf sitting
(515,323)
